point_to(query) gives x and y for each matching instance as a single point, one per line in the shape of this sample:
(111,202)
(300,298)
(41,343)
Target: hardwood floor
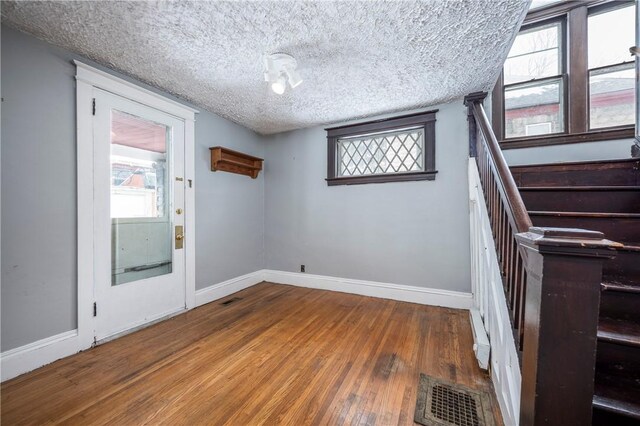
(279,355)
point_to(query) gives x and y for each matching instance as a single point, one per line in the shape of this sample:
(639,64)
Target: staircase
(602,196)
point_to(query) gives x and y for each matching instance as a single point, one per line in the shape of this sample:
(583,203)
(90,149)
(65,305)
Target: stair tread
(580,188)
(629,246)
(617,395)
(584,214)
(619,331)
(620,286)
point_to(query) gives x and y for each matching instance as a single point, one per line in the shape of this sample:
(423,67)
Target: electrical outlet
(301,268)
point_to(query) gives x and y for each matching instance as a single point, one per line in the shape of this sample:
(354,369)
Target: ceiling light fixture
(280,68)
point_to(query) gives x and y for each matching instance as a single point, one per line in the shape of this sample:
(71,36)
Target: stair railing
(507,213)
(551,279)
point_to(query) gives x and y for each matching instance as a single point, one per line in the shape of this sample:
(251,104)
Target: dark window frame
(563,76)
(425,120)
(576,88)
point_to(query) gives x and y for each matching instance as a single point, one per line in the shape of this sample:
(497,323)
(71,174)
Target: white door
(138,214)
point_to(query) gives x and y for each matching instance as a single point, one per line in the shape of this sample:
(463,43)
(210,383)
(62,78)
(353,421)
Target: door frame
(89,78)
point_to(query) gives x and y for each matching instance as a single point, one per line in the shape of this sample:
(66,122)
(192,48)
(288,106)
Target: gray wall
(229,207)
(39,195)
(413,233)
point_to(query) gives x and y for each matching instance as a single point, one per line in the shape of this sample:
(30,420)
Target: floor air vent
(230,301)
(441,403)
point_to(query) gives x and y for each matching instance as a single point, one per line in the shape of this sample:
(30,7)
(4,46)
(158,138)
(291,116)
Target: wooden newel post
(469,100)
(562,301)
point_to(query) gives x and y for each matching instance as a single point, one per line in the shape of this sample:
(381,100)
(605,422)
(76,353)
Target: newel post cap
(569,241)
(474,97)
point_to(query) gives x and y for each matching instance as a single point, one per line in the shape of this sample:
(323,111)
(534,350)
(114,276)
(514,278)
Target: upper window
(569,76)
(611,68)
(397,149)
(534,83)
(537,4)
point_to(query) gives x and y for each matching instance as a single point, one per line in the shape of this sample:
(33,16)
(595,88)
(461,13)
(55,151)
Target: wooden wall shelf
(227,160)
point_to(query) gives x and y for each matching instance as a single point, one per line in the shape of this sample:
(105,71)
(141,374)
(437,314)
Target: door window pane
(141,228)
(535,54)
(611,34)
(612,96)
(534,109)
(138,167)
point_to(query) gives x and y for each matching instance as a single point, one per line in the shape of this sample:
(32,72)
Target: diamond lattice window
(398,151)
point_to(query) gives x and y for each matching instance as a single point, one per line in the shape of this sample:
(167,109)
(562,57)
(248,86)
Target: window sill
(626,132)
(398,177)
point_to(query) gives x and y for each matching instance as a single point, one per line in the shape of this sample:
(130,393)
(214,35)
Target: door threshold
(140,326)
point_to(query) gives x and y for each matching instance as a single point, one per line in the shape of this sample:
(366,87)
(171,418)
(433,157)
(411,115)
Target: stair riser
(618,360)
(608,174)
(620,305)
(610,201)
(624,268)
(625,230)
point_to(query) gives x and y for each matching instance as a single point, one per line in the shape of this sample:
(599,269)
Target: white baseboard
(37,354)
(481,346)
(34,355)
(225,288)
(404,293)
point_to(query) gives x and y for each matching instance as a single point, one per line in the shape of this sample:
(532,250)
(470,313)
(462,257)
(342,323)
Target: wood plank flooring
(279,355)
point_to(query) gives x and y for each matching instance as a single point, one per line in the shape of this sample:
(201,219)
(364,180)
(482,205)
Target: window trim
(425,120)
(575,15)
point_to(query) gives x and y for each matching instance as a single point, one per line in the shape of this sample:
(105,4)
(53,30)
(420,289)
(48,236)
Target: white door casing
(91,84)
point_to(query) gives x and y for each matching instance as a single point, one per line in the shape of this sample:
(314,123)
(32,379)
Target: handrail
(514,199)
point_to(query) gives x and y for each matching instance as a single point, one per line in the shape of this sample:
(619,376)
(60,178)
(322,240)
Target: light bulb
(294,78)
(279,85)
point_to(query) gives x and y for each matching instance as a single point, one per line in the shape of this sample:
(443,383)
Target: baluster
(484,168)
(492,215)
(499,235)
(513,267)
(493,203)
(487,172)
(505,254)
(522,285)
(496,208)
(517,311)
(509,267)
(503,233)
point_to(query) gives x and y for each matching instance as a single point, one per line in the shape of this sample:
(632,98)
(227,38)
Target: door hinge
(93,108)
(95,309)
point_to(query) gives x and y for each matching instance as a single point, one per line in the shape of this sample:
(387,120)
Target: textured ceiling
(357,59)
